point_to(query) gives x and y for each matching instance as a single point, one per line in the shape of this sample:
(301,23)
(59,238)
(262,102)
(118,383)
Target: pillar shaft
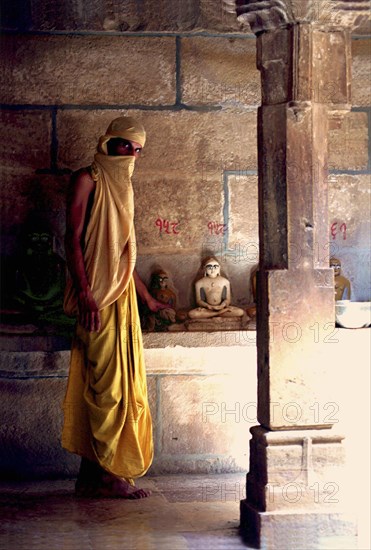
(296,457)
(295,290)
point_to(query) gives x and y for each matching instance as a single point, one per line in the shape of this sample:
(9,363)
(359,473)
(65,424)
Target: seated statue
(159,288)
(213,294)
(342,284)
(39,279)
(164,319)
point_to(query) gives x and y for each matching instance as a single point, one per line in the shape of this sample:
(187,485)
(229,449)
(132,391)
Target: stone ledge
(156,340)
(199,339)
(27,356)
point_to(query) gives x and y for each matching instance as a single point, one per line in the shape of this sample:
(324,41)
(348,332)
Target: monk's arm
(82,185)
(145,296)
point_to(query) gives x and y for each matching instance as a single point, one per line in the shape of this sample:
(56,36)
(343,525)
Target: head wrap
(125,128)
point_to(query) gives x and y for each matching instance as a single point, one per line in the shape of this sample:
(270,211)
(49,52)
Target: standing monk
(107,420)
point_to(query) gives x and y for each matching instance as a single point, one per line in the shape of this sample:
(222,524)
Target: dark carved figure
(40,272)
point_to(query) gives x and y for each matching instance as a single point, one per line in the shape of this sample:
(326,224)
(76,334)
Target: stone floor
(195,512)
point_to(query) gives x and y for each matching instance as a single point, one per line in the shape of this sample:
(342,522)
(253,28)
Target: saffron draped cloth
(106,413)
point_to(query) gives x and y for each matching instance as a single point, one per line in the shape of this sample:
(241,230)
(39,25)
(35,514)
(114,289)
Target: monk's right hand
(89,316)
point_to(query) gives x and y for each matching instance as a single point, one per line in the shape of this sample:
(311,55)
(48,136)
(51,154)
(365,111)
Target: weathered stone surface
(15,338)
(219,71)
(30,434)
(152,400)
(295,294)
(169,15)
(292,295)
(175,221)
(196,464)
(31,424)
(361,70)
(262,17)
(88,70)
(348,142)
(202,325)
(25,193)
(295,65)
(349,201)
(185,340)
(20,364)
(198,143)
(25,139)
(313,463)
(297,335)
(330,82)
(206,359)
(215,17)
(148,15)
(287,170)
(195,410)
(312,531)
(352,14)
(15,206)
(350,230)
(243,219)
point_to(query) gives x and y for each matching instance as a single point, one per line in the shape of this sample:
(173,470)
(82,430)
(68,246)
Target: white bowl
(353,314)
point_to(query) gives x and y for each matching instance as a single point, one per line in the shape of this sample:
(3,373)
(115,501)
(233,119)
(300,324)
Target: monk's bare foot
(114,487)
(107,485)
(95,482)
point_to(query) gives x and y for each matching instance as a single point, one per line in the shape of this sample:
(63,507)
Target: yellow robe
(106,413)
(107,417)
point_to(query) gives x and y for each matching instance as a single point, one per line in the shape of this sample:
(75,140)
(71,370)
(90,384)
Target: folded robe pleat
(106,412)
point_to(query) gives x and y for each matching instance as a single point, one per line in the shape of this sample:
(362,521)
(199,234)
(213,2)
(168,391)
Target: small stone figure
(159,288)
(342,284)
(40,273)
(213,295)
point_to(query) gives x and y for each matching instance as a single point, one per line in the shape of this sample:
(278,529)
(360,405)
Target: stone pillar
(295,491)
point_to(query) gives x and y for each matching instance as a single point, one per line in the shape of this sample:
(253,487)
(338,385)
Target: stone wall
(201,412)
(187,70)
(202,395)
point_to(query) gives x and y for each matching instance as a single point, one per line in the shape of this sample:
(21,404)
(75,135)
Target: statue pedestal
(216,323)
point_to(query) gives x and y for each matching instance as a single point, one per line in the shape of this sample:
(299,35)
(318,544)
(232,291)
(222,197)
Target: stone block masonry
(188,71)
(202,395)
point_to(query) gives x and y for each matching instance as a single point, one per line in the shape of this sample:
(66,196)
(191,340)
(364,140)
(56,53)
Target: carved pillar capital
(267,15)
(295,66)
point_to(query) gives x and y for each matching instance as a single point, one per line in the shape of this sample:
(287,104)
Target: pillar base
(297,531)
(298,493)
